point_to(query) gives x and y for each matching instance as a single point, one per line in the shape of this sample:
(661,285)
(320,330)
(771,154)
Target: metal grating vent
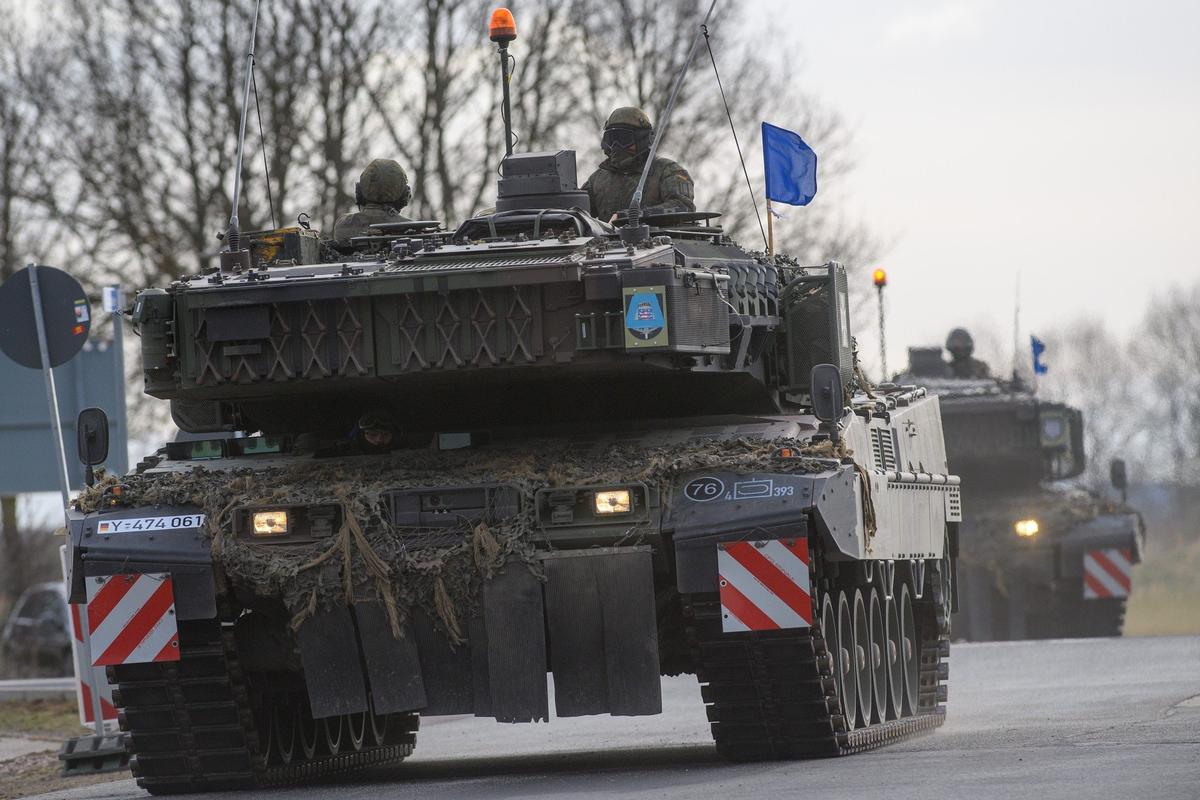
(883,445)
(495,263)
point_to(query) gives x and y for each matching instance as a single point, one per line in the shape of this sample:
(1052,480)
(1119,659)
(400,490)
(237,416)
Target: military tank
(621,453)
(1041,559)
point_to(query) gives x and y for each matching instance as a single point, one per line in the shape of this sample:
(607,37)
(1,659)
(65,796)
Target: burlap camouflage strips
(440,570)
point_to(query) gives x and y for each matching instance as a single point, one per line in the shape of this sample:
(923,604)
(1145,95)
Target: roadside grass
(1166,591)
(54,719)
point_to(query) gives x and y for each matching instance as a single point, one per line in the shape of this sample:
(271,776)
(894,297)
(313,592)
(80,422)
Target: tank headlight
(269,523)
(613,501)
(1026,528)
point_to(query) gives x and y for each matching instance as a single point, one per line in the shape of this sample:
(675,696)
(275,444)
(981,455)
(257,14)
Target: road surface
(1091,718)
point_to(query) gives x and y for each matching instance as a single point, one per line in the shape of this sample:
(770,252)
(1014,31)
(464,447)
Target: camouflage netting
(440,570)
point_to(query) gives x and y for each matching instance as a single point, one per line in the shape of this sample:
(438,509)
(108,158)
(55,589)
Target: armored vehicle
(1040,559)
(614,454)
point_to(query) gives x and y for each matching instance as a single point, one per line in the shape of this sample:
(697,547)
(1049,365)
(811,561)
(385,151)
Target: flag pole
(770,231)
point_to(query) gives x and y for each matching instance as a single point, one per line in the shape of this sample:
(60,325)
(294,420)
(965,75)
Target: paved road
(1095,719)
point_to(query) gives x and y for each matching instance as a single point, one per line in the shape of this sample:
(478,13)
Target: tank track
(192,725)
(774,695)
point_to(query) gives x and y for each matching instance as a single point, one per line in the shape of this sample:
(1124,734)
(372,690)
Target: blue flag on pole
(790,165)
(1038,347)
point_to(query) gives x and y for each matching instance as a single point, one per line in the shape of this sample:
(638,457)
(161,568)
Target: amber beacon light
(502,27)
(880,278)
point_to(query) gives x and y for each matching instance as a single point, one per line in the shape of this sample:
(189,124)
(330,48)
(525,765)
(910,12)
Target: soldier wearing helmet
(626,145)
(382,190)
(962,363)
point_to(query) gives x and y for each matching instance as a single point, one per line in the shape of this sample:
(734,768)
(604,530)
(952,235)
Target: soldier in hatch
(626,143)
(962,363)
(382,190)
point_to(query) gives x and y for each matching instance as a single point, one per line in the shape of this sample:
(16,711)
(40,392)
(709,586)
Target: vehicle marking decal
(132,619)
(764,585)
(1107,573)
(177,522)
(701,490)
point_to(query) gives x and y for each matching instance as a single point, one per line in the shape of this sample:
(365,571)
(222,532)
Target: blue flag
(1038,347)
(790,165)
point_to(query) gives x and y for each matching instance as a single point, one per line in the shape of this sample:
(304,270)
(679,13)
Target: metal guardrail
(36,688)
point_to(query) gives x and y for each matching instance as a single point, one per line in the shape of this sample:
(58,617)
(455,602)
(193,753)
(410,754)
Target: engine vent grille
(883,444)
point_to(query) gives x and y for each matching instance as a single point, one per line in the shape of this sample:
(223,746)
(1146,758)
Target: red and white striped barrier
(1107,573)
(88,679)
(132,619)
(84,688)
(764,585)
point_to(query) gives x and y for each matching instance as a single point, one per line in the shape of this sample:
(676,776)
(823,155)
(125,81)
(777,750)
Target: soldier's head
(627,135)
(385,182)
(376,430)
(960,344)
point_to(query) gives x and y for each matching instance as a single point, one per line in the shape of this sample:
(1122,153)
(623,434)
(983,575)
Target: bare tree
(1109,396)
(1169,351)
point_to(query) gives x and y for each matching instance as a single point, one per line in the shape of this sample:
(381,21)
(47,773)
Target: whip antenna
(634,229)
(236,257)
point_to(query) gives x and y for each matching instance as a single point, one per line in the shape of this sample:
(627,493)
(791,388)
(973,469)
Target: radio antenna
(236,257)
(635,231)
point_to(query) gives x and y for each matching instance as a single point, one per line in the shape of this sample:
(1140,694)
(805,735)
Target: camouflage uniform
(610,188)
(381,192)
(962,364)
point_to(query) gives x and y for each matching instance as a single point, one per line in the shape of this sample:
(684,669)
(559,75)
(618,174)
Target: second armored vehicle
(1039,558)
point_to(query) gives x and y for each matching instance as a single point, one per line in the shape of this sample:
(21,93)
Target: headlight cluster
(293,524)
(592,505)
(269,523)
(1026,528)
(613,501)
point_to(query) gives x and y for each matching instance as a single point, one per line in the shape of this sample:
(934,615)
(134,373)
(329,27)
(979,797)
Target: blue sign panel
(94,377)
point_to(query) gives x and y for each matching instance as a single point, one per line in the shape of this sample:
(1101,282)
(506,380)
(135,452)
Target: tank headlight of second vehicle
(1026,528)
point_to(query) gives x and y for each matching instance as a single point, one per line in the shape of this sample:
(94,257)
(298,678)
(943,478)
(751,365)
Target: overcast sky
(1060,139)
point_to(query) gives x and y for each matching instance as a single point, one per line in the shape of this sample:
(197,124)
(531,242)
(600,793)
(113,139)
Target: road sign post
(54,315)
(64,483)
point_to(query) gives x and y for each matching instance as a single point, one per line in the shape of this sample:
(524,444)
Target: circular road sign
(65,310)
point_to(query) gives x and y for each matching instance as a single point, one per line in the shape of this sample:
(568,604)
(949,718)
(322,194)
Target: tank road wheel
(829,631)
(266,732)
(285,724)
(878,658)
(377,727)
(916,571)
(847,682)
(862,658)
(910,657)
(895,670)
(331,730)
(309,731)
(356,729)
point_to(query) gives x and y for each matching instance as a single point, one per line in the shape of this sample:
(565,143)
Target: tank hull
(607,608)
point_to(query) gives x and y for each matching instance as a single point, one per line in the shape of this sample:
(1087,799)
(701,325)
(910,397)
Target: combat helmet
(960,344)
(627,131)
(383,181)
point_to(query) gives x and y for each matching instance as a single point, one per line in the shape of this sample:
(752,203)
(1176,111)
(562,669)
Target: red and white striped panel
(1107,573)
(764,585)
(84,687)
(132,619)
